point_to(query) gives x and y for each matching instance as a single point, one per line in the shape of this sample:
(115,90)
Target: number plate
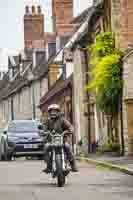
(30,146)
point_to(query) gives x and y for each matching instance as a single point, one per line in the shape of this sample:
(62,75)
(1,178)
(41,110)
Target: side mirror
(4,132)
(40,127)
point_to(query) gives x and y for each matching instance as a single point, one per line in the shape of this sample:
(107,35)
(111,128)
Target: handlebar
(54,133)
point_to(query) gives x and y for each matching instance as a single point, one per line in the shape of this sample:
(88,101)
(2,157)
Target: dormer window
(38,55)
(21,67)
(11,74)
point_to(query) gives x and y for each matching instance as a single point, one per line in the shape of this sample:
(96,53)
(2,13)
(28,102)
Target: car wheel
(7,156)
(2,150)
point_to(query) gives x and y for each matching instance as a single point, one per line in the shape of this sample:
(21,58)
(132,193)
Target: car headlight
(11,143)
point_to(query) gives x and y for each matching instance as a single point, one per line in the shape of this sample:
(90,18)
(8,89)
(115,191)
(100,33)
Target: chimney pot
(33,10)
(39,9)
(27,10)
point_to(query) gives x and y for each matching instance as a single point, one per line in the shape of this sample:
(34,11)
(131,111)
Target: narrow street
(23,180)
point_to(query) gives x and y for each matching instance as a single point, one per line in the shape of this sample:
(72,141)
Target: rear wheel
(60,175)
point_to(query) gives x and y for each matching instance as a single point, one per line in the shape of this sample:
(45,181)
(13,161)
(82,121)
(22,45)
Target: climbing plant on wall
(106,74)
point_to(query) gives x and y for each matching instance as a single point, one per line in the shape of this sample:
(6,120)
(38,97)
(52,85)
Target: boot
(73,166)
(48,168)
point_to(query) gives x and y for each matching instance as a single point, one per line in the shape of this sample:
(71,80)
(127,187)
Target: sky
(11,23)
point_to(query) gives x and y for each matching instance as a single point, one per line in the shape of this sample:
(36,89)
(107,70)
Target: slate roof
(16,59)
(87,26)
(8,87)
(56,89)
(81,17)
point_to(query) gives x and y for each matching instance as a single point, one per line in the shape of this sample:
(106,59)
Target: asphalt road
(23,180)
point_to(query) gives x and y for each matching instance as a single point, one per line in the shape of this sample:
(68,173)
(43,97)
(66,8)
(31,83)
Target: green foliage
(107,73)
(109,147)
(80,143)
(105,45)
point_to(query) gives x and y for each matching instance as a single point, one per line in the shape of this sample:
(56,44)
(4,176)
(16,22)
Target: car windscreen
(22,127)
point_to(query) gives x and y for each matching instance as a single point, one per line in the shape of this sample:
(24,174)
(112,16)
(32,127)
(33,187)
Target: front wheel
(59,170)
(61,180)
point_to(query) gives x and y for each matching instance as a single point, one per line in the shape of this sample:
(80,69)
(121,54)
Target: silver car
(21,138)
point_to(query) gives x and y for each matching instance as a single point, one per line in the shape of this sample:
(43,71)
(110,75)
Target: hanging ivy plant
(107,72)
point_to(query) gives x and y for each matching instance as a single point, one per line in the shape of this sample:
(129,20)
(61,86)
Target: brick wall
(62,12)
(126,22)
(53,73)
(33,26)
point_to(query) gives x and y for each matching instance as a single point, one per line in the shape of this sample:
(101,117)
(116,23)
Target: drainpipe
(33,101)
(72,121)
(88,98)
(12,109)
(121,120)
(122,132)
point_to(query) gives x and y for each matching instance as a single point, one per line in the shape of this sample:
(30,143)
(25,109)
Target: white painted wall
(69,68)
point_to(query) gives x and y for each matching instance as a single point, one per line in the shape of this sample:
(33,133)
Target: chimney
(62,13)
(33,26)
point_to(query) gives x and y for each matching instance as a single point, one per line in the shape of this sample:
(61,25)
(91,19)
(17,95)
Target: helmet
(54,107)
(53,111)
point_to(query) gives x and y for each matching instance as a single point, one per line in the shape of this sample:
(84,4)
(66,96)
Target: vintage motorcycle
(60,164)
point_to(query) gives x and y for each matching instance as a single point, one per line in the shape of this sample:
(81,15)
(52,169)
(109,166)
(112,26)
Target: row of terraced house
(53,68)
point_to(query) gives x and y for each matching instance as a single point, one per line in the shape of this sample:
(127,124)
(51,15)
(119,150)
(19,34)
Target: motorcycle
(60,167)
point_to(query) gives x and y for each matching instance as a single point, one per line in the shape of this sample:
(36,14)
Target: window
(23,127)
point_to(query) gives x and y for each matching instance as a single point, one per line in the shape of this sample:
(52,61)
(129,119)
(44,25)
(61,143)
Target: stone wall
(128,98)
(115,19)
(81,121)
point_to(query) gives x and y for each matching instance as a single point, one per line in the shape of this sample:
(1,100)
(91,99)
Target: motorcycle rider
(59,124)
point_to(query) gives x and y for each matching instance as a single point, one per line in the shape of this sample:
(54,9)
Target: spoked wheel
(61,180)
(60,175)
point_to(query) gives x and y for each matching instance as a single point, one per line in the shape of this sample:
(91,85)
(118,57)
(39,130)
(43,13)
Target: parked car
(21,138)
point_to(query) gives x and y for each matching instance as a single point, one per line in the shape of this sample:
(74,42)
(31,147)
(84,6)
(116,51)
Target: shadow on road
(36,185)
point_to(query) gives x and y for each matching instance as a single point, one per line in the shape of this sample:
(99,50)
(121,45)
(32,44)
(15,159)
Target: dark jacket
(59,125)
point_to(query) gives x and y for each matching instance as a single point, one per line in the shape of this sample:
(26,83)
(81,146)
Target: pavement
(23,180)
(123,163)
(126,161)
